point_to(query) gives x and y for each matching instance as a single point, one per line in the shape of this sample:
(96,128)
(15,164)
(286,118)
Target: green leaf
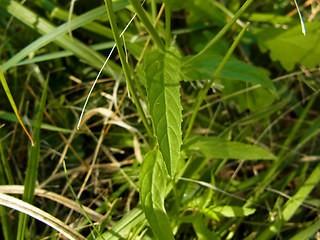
(202,12)
(210,214)
(200,228)
(268,18)
(290,46)
(228,211)
(214,147)
(122,228)
(254,100)
(152,193)
(198,41)
(51,33)
(163,92)
(204,67)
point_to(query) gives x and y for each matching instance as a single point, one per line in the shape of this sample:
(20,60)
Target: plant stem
(175,194)
(78,201)
(204,92)
(33,164)
(146,22)
(153,9)
(126,67)
(222,31)
(168,22)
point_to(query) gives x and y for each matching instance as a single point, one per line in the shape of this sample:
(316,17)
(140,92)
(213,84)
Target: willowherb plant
(187,176)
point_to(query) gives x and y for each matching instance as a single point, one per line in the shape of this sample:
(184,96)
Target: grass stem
(202,94)
(126,67)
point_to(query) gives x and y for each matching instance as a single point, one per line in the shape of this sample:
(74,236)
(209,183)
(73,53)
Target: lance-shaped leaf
(214,147)
(153,178)
(204,67)
(227,211)
(163,89)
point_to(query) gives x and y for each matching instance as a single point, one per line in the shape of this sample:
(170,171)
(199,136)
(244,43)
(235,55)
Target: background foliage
(200,126)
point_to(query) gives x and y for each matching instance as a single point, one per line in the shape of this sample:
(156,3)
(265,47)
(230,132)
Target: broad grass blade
(56,34)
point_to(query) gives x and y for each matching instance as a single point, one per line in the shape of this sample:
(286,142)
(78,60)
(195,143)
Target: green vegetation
(202,123)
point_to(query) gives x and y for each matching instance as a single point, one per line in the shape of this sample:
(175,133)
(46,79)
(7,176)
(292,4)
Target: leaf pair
(163,91)
(162,72)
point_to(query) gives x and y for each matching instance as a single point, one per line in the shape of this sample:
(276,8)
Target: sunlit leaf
(204,67)
(290,47)
(201,229)
(228,211)
(163,89)
(254,100)
(153,178)
(124,225)
(214,147)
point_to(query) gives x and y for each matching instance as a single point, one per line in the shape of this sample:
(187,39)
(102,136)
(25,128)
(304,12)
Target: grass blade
(18,189)
(125,65)
(307,232)
(122,227)
(51,33)
(6,167)
(146,22)
(28,122)
(223,30)
(61,54)
(33,163)
(78,201)
(203,93)
(42,216)
(274,169)
(13,104)
(6,229)
(292,205)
